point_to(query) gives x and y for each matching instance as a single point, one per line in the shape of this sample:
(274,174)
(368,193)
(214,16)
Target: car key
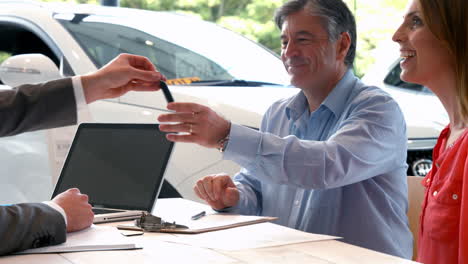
(166,92)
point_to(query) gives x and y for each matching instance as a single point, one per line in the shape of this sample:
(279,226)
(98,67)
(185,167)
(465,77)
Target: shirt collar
(335,101)
(296,106)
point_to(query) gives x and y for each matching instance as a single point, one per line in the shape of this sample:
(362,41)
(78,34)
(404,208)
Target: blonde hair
(446,19)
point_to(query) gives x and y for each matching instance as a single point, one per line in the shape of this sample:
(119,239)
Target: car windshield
(196,51)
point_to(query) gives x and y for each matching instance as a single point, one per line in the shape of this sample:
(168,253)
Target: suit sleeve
(30,225)
(34,107)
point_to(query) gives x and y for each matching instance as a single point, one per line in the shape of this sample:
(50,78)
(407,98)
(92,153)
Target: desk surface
(156,250)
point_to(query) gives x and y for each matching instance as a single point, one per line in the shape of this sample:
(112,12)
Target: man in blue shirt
(329,160)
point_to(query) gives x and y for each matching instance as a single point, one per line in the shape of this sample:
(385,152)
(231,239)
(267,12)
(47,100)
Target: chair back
(415,199)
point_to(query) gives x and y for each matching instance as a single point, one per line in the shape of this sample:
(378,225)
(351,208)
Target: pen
(199,215)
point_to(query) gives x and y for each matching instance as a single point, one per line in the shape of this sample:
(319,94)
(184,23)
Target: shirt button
(428,180)
(296,202)
(434,193)
(454,196)
(437,165)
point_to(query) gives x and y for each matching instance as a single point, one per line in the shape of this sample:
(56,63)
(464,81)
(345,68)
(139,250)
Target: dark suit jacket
(28,108)
(30,225)
(34,107)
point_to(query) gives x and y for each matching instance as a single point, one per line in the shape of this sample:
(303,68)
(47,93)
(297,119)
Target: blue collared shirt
(340,170)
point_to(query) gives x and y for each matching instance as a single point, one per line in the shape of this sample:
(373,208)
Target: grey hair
(335,15)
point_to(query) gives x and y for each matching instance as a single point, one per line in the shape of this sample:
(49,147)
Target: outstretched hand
(198,123)
(125,73)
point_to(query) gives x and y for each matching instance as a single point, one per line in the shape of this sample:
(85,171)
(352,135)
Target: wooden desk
(156,250)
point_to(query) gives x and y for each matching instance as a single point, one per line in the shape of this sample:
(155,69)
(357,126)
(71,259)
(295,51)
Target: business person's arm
(34,107)
(30,225)
(53,104)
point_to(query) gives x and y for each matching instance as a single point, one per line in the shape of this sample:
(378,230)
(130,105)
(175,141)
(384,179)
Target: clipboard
(210,222)
(177,215)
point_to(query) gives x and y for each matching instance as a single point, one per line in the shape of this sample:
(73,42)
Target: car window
(18,40)
(4,56)
(103,41)
(393,78)
(185,49)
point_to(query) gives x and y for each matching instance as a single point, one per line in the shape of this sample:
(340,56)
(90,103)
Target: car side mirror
(28,69)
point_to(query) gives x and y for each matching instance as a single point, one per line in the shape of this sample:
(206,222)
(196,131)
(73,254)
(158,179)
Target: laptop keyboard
(105,211)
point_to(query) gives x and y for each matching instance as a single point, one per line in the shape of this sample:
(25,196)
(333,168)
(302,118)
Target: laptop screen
(117,165)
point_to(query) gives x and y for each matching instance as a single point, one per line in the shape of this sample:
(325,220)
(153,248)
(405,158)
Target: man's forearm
(35,107)
(30,225)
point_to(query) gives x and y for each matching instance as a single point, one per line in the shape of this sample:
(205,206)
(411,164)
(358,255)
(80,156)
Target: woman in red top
(434,45)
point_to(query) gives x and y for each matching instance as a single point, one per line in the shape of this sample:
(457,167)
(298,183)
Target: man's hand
(218,191)
(77,209)
(200,124)
(125,73)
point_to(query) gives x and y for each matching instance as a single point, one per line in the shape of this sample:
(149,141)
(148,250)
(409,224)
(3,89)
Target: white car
(204,63)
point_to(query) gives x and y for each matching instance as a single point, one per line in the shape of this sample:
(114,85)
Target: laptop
(119,166)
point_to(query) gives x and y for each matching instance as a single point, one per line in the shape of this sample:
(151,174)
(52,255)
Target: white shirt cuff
(79,94)
(58,208)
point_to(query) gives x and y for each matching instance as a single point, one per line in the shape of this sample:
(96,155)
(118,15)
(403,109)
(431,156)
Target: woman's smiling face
(424,56)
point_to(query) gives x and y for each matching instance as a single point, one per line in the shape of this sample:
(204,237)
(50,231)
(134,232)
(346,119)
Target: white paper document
(259,235)
(94,238)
